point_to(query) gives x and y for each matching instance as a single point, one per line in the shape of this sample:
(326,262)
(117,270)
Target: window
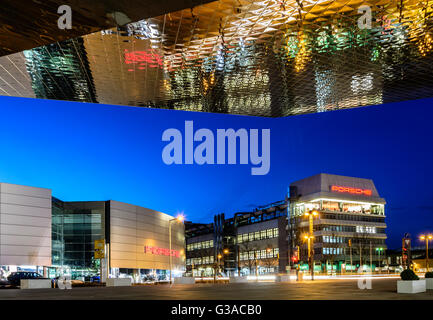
(269,233)
(200,245)
(240,238)
(250,236)
(364,229)
(258,235)
(332,250)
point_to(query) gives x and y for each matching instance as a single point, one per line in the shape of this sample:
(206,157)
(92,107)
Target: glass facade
(76,226)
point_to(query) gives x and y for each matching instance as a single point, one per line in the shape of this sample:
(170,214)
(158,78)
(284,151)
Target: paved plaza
(382,289)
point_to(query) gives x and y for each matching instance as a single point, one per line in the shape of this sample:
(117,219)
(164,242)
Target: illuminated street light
(379,250)
(219,256)
(310,238)
(426,238)
(180,218)
(226,251)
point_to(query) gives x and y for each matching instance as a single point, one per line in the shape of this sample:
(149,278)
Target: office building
(347,216)
(249,243)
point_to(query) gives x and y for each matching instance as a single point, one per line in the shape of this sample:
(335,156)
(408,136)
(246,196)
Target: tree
(247,247)
(270,262)
(362,237)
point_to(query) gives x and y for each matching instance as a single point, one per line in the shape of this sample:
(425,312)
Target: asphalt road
(382,289)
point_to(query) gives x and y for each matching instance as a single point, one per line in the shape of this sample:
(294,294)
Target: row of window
(259,254)
(363,229)
(350,229)
(333,250)
(349,217)
(299,210)
(332,239)
(199,261)
(199,245)
(345,240)
(263,217)
(258,235)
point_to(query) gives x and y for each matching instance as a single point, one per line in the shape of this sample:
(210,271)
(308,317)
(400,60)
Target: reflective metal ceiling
(263,58)
(26,24)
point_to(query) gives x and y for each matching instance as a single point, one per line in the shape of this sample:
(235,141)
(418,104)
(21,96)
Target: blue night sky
(97,152)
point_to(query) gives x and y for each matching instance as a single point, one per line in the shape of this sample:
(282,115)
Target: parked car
(15,277)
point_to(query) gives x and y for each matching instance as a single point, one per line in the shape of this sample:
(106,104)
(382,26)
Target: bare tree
(362,237)
(247,247)
(270,262)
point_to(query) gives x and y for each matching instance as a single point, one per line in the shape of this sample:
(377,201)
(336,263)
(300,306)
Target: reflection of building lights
(425,45)
(302,57)
(362,83)
(166,84)
(143,30)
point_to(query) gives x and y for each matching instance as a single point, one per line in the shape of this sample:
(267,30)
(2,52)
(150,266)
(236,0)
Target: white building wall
(25,225)
(133,227)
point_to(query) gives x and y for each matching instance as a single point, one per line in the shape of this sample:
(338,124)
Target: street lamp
(426,238)
(310,238)
(219,264)
(268,257)
(225,251)
(180,218)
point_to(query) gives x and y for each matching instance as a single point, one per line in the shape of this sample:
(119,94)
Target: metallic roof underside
(263,58)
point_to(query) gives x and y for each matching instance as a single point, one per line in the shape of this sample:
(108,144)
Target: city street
(382,289)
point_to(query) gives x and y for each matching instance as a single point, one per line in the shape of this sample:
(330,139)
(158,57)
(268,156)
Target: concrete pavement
(341,289)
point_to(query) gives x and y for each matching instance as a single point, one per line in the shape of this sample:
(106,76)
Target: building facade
(137,241)
(347,218)
(249,243)
(25,228)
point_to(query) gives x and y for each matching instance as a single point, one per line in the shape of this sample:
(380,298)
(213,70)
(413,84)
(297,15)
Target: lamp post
(225,251)
(310,238)
(426,238)
(255,262)
(268,251)
(219,258)
(350,252)
(179,219)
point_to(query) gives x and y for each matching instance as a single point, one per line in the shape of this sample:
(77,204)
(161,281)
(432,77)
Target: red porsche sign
(342,189)
(161,251)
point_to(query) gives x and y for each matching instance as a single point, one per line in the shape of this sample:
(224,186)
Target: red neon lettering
(161,251)
(143,59)
(341,189)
